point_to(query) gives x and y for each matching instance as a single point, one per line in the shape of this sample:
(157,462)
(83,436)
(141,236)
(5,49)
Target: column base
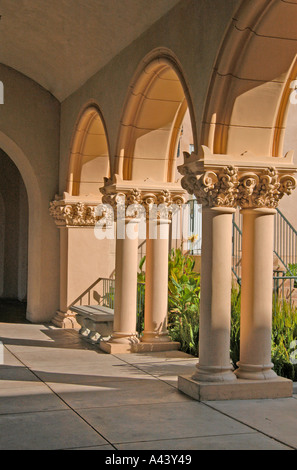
(238,390)
(153,337)
(214,374)
(119,344)
(65,320)
(156,347)
(253,372)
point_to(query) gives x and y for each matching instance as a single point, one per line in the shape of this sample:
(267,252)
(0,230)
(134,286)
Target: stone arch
(89,159)
(156,104)
(245,112)
(248,94)
(35,248)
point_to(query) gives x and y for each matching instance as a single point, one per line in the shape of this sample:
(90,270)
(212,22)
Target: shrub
(184,316)
(284,333)
(293,272)
(235,325)
(183,302)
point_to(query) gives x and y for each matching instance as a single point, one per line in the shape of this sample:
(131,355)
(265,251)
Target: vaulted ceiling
(62,43)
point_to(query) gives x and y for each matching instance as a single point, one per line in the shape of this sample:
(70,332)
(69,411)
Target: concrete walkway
(59,392)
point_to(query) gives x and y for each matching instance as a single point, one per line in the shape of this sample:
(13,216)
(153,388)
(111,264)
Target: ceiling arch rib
(151,124)
(89,159)
(249,79)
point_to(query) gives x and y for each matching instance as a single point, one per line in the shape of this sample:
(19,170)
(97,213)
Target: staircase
(285,257)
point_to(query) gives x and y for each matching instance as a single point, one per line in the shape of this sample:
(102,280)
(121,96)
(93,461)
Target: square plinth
(126,348)
(155,347)
(238,390)
(115,348)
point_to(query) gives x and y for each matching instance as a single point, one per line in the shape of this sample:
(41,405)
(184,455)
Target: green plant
(184,315)
(284,333)
(140,297)
(183,301)
(235,325)
(292,272)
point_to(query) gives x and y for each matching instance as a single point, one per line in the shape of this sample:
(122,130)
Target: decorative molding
(265,189)
(142,201)
(246,183)
(214,188)
(73,214)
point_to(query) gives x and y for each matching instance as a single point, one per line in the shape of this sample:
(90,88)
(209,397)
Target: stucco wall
(192,31)
(29,134)
(288,205)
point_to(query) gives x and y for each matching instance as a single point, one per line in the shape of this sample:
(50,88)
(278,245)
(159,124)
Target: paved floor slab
(29,399)
(118,393)
(17,377)
(163,357)
(170,370)
(276,418)
(248,441)
(60,392)
(46,431)
(160,421)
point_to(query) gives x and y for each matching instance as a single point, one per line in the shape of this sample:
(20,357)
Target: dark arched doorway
(13,242)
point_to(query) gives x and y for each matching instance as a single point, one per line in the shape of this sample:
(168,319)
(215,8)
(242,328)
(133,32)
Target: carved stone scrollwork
(214,188)
(265,189)
(76,214)
(136,203)
(287,185)
(231,187)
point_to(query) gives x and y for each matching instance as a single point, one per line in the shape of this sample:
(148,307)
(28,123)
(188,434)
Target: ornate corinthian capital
(132,199)
(244,181)
(264,189)
(214,188)
(67,213)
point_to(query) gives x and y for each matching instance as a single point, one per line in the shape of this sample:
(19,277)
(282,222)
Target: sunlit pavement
(59,392)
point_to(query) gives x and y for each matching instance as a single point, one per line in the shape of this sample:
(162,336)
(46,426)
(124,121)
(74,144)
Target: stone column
(126,288)
(124,335)
(159,208)
(150,198)
(256,295)
(216,191)
(215,307)
(156,282)
(259,195)
(222,183)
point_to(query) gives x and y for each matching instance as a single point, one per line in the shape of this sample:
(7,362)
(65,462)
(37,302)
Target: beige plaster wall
(187,31)
(29,135)
(86,260)
(251,76)
(192,30)
(288,205)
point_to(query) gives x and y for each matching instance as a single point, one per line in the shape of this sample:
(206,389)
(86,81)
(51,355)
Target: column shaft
(126,287)
(215,311)
(156,284)
(256,302)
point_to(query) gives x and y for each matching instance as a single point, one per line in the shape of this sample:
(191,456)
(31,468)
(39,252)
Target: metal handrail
(108,299)
(285,245)
(236,250)
(284,287)
(285,241)
(286,220)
